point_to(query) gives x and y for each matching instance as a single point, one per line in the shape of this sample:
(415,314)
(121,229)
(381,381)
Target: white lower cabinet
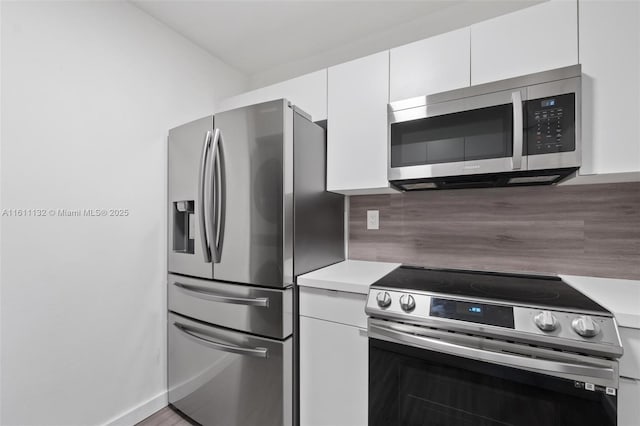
(629,402)
(333,374)
(334,358)
(629,390)
(630,361)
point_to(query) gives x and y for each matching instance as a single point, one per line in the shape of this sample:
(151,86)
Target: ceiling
(270,41)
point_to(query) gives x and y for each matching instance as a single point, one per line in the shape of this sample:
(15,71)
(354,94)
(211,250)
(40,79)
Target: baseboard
(140,412)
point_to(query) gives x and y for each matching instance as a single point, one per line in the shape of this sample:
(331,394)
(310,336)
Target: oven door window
(463,136)
(416,387)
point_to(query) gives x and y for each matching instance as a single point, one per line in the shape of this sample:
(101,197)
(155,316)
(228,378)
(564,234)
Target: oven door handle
(600,372)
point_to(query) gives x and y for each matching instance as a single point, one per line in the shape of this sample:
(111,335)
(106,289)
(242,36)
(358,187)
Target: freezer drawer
(256,310)
(220,377)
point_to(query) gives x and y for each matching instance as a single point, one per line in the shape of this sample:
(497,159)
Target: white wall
(89,90)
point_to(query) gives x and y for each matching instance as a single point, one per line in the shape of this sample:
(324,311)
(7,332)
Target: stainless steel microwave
(519,131)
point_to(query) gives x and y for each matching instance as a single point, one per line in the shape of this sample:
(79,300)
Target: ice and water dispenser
(183,226)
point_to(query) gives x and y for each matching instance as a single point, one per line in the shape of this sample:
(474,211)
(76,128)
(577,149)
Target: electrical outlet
(373,219)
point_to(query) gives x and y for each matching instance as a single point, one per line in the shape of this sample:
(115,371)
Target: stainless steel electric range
(452,348)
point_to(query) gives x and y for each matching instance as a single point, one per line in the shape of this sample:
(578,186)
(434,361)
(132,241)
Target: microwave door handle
(220,188)
(518,130)
(202,188)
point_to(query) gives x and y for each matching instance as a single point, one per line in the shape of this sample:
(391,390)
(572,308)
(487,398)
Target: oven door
(422,376)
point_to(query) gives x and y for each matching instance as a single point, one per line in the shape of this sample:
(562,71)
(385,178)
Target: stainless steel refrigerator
(248,212)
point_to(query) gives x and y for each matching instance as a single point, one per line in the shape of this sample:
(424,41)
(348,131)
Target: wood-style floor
(164,417)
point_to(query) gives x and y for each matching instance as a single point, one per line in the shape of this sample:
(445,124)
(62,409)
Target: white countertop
(353,276)
(621,297)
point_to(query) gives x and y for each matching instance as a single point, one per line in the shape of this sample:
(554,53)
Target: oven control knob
(585,326)
(407,303)
(546,321)
(383,299)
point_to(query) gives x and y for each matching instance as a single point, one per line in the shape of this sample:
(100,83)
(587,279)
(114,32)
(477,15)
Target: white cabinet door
(628,402)
(337,306)
(630,361)
(610,57)
(534,39)
(433,65)
(357,126)
(333,374)
(308,92)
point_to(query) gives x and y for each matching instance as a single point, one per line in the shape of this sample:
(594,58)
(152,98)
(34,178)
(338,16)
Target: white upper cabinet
(308,92)
(534,39)
(433,65)
(357,126)
(610,57)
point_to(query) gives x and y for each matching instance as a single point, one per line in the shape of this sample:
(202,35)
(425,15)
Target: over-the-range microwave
(519,131)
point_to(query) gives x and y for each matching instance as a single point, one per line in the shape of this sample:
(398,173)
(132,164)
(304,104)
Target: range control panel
(573,329)
(551,124)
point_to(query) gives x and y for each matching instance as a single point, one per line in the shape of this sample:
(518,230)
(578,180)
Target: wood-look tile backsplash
(591,230)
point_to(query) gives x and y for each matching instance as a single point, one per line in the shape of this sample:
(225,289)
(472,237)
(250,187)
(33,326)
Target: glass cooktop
(543,291)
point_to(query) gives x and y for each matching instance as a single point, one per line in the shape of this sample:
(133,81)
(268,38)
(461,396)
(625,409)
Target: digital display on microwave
(548,103)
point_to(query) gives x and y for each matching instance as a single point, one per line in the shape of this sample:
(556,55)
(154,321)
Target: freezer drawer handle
(203,294)
(257,352)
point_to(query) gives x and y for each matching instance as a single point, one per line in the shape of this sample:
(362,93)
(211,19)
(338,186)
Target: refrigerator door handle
(208,295)
(239,350)
(206,251)
(219,185)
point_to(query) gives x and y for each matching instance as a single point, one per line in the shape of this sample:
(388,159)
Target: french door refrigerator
(248,212)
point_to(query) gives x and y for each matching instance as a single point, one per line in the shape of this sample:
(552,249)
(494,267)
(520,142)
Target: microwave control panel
(551,124)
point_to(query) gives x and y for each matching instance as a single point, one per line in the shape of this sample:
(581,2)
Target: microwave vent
(420,185)
(533,179)
(489,180)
